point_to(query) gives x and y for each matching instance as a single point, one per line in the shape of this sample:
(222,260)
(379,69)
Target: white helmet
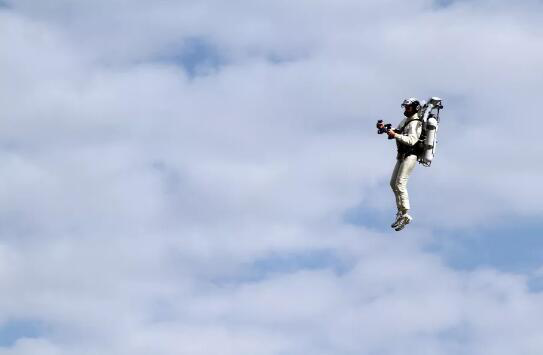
(412,101)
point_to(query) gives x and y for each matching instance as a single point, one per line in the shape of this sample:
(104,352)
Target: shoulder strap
(409,121)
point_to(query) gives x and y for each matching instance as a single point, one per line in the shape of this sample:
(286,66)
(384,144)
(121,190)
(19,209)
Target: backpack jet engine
(429,113)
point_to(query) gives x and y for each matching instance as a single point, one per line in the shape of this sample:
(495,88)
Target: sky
(204,177)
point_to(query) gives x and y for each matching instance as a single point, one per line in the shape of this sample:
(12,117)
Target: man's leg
(404,171)
(394,187)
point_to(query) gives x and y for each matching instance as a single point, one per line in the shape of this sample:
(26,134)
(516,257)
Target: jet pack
(429,112)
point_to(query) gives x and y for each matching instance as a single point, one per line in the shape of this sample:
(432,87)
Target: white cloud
(135,199)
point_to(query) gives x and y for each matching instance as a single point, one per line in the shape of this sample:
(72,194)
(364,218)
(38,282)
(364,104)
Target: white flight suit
(398,181)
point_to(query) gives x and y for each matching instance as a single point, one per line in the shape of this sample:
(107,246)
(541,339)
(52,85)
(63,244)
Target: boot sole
(402,224)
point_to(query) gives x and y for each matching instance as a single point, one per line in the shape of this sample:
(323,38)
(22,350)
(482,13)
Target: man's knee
(394,185)
(401,183)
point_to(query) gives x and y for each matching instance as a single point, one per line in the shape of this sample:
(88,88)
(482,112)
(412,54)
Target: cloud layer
(202,177)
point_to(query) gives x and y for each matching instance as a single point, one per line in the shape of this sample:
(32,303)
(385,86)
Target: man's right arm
(411,135)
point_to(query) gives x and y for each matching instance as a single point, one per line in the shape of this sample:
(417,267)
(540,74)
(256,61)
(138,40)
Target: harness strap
(403,150)
(409,121)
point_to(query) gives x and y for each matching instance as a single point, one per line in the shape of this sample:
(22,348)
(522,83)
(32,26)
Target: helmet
(412,101)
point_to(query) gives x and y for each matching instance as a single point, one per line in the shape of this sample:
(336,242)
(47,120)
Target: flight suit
(405,163)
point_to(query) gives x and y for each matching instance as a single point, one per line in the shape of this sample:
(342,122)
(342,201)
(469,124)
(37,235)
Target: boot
(404,221)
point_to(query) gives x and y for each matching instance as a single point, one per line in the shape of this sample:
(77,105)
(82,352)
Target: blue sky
(513,244)
(196,177)
(16,329)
